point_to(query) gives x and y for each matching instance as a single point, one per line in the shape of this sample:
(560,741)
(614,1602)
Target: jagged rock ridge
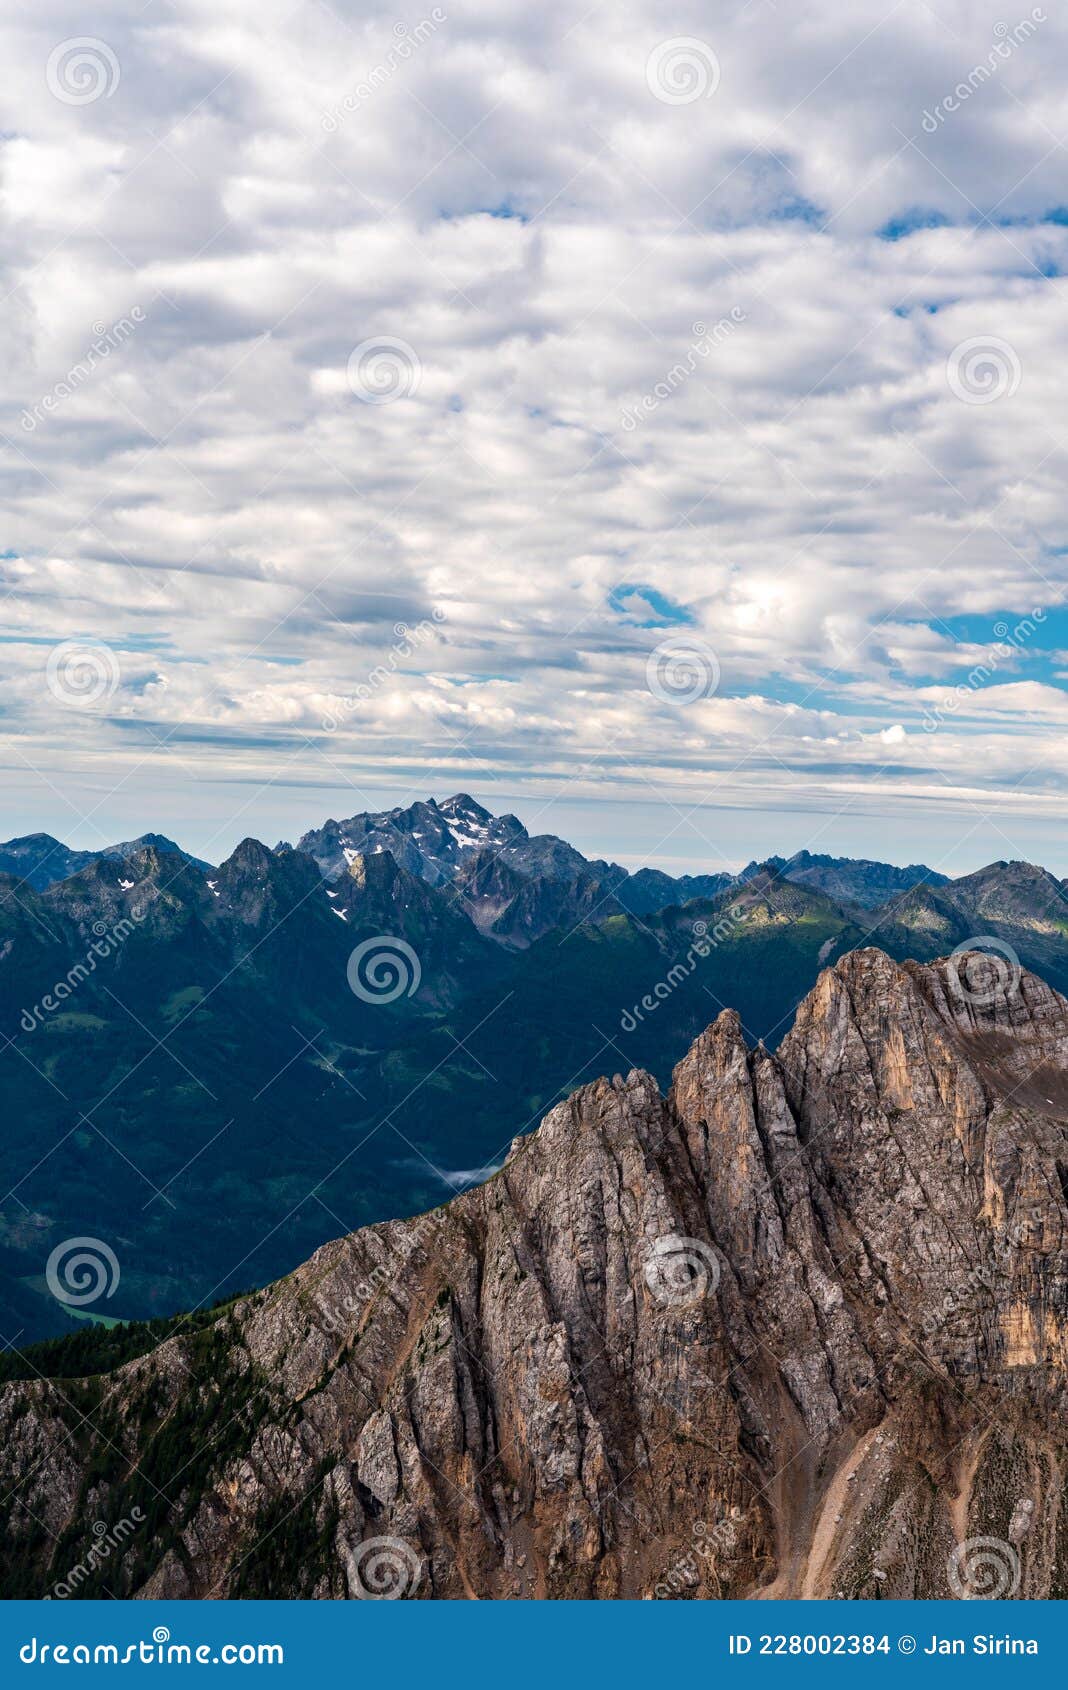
(796,1329)
(851,880)
(41,860)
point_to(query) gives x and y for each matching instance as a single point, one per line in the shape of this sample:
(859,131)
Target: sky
(647,419)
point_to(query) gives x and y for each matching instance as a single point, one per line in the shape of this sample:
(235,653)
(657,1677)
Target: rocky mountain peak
(255,884)
(43,861)
(813,1303)
(426,838)
(251,856)
(462,804)
(377,868)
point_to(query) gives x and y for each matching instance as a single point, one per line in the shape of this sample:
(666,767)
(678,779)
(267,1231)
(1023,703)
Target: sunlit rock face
(797,1328)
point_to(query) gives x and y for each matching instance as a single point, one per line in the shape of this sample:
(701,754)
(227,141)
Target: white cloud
(508,199)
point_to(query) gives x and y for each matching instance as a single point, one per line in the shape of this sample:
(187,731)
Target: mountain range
(795,1328)
(216,1069)
(511,885)
(41,860)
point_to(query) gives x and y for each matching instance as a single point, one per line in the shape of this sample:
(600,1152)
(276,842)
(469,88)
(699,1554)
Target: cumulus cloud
(323,326)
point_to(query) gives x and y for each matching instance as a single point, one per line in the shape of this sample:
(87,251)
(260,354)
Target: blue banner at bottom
(533,1644)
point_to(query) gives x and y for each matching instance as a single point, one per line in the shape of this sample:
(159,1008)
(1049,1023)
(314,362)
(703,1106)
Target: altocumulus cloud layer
(548,335)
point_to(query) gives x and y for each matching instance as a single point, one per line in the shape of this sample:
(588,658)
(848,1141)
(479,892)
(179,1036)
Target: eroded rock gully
(797,1329)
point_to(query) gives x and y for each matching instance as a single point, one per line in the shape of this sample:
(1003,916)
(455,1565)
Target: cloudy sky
(646,419)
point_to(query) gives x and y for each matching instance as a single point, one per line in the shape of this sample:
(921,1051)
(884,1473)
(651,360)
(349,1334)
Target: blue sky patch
(910,222)
(647,607)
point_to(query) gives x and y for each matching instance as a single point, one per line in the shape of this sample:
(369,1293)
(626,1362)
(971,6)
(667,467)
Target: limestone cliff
(796,1329)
